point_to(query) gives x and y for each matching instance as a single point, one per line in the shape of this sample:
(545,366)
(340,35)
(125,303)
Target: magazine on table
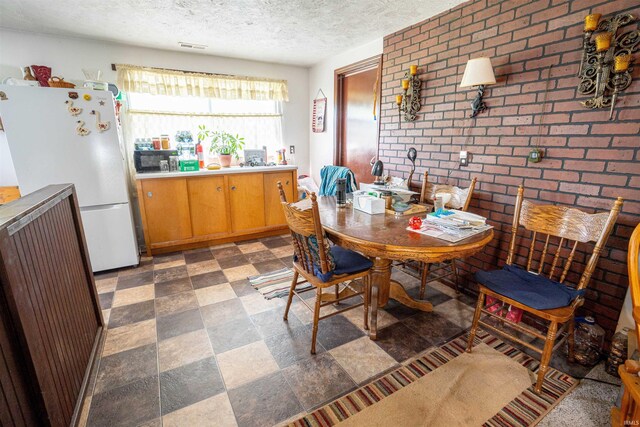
(452,225)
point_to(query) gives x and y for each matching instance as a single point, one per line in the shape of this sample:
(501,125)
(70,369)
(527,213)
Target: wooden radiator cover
(50,319)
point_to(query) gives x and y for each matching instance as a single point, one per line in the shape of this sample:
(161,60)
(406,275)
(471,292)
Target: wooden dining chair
(536,290)
(629,411)
(460,199)
(323,265)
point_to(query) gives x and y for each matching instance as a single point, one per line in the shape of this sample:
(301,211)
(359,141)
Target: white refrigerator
(55,138)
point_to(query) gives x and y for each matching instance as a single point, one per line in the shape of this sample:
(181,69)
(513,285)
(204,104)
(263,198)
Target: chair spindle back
(303,219)
(561,229)
(460,197)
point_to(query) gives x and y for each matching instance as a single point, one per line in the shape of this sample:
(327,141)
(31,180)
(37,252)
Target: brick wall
(588,160)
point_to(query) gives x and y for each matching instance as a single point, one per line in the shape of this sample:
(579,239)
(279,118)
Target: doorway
(357,108)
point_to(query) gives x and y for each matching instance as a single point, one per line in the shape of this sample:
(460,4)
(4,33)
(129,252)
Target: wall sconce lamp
(478,72)
(409,102)
(605,69)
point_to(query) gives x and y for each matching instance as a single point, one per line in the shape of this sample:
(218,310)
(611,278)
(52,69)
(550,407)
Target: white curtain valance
(158,81)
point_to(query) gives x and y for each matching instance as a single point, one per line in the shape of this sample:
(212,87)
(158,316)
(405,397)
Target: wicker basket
(55,81)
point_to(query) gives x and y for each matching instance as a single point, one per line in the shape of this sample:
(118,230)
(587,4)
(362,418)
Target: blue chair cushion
(527,288)
(347,262)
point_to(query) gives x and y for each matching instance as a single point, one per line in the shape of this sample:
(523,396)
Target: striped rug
(527,409)
(275,284)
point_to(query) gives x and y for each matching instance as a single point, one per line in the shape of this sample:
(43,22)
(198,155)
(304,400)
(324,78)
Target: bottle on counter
(165,142)
(156,143)
(200,154)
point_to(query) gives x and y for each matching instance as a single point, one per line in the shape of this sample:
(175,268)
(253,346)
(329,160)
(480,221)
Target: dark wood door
(357,138)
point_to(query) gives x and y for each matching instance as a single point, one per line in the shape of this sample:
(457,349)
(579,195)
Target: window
(259,122)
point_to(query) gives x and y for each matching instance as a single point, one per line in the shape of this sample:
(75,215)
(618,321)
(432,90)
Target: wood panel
(208,205)
(246,201)
(49,305)
(8,194)
(274,215)
(166,205)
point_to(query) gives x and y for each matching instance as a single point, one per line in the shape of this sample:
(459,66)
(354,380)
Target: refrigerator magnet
(74,111)
(101,103)
(101,126)
(3,96)
(87,97)
(73,95)
(81,130)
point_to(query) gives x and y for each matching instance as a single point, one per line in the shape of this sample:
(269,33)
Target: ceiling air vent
(187,45)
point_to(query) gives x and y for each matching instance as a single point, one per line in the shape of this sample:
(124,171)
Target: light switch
(292,149)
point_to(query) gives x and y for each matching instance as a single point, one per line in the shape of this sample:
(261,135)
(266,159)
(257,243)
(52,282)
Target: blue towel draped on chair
(330,174)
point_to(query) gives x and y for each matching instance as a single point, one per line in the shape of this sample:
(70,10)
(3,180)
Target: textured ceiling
(299,32)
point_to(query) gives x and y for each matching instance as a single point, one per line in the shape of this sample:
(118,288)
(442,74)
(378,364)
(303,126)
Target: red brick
(616,128)
(589,190)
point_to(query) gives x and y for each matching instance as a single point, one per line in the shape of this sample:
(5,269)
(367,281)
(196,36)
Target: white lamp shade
(478,71)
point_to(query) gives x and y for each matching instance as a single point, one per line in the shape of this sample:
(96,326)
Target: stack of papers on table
(452,225)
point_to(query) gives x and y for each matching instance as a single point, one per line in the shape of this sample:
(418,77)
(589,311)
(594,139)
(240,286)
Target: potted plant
(223,143)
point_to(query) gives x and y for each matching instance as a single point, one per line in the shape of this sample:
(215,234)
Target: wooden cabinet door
(166,206)
(246,199)
(272,208)
(208,205)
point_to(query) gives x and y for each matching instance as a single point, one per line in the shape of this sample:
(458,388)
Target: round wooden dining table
(385,238)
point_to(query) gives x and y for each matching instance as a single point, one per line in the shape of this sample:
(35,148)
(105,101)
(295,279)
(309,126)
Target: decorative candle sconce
(605,69)
(409,102)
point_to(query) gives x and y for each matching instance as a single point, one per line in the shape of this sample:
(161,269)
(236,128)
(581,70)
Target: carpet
(492,386)
(276,283)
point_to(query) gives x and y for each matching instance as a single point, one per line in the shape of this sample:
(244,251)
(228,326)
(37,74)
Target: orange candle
(405,84)
(413,70)
(591,21)
(398,99)
(603,41)
(621,63)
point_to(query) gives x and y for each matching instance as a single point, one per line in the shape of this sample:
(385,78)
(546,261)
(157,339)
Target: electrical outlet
(292,149)
(464,158)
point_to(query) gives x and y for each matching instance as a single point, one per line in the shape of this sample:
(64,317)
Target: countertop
(222,171)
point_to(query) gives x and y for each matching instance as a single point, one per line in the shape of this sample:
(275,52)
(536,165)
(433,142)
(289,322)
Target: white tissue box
(369,204)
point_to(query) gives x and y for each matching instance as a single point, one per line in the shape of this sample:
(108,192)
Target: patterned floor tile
(292,346)
(208,279)
(223,312)
(230,335)
(245,364)
(106,300)
(176,303)
(269,266)
(167,274)
(242,288)
(256,403)
(183,349)
(247,248)
(234,261)
(173,287)
(199,256)
(131,313)
(114,407)
(276,242)
(283,252)
(134,280)
(105,316)
(239,273)
(214,410)
(318,380)
(260,256)
(432,327)
(145,265)
(179,323)
(337,330)
(129,336)
(255,303)
(168,258)
(133,295)
(225,252)
(106,285)
(188,384)
(400,342)
(303,313)
(456,312)
(362,359)
(214,294)
(271,322)
(126,366)
(202,267)
(356,316)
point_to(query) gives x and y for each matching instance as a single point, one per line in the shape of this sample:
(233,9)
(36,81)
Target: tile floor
(190,341)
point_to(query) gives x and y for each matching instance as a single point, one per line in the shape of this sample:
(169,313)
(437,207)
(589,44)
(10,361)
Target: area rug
(276,283)
(448,387)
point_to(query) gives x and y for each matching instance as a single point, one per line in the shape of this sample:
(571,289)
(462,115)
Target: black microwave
(149,160)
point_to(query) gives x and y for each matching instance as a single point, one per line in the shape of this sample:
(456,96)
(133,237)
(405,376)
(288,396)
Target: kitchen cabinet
(208,205)
(197,209)
(246,201)
(274,215)
(166,209)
